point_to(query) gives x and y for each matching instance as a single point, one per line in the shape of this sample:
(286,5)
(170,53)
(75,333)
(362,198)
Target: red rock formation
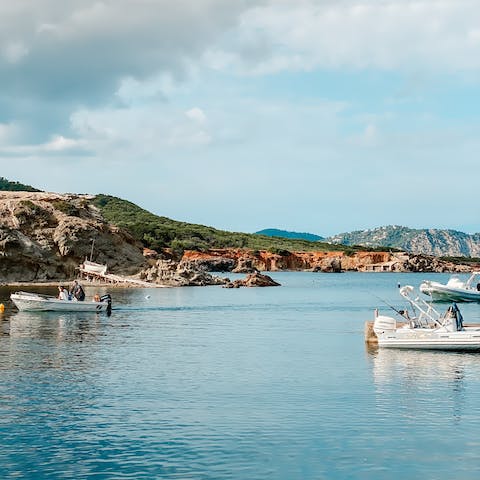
(319,261)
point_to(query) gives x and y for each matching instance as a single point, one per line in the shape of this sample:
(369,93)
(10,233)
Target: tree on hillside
(7,185)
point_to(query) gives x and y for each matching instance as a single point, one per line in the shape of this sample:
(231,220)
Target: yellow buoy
(2,307)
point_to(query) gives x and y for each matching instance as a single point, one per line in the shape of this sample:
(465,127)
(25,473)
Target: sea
(251,383)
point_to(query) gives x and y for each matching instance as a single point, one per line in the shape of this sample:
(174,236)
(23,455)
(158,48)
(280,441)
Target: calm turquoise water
(212,383)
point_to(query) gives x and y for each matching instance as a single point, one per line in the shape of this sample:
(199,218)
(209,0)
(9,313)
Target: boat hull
(465,340)
(35,303)
(444,293)
(453,347)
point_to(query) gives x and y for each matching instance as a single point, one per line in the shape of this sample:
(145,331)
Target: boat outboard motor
(107,298)
(453,319)
(384,324)
(458,316)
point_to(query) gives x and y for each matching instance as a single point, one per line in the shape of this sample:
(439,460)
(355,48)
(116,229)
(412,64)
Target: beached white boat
(425,328)
(36,302)
(455,290)
(91,267)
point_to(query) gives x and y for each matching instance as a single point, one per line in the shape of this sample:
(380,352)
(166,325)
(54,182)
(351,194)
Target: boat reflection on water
(46,325)
(421,365)
(59,341)
(436,378)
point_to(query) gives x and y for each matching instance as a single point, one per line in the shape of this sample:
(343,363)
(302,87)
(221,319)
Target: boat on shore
(455,290)
(424,328)
(36,302)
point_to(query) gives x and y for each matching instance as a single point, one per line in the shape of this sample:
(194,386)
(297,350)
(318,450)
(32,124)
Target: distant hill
(435,242)
(8,186)
(275,232)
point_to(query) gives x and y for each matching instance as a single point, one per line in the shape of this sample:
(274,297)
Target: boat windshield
(474,281)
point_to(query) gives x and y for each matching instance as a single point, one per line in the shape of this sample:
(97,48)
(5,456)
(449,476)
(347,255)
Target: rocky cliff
(246,261)
(45,236)
(422,241)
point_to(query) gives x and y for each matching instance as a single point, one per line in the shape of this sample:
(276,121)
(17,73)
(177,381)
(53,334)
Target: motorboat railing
(425,316)
(474,277)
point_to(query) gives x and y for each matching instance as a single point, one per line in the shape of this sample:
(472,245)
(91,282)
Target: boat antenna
(91,251)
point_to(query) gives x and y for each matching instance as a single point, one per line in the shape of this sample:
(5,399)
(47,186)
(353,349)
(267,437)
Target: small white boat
(455,290)
(36,302)
(425,328)
(92,267)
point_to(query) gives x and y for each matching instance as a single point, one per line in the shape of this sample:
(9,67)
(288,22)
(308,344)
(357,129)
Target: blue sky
(311,115)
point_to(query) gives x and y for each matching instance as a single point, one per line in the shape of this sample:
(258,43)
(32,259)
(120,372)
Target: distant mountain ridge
(435,242)
(275,232)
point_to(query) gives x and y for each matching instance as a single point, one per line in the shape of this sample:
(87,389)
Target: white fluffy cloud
(332,34)
(57,58)
(142,132)
(86,54)
(82,49)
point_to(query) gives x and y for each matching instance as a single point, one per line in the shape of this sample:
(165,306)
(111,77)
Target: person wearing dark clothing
(77,292)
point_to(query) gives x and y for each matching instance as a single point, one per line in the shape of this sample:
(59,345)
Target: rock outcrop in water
(178,274)
(256,279)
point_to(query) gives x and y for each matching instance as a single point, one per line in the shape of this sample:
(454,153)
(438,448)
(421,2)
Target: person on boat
(62,293)
(77,292)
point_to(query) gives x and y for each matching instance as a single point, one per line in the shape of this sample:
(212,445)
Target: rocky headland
(46,236)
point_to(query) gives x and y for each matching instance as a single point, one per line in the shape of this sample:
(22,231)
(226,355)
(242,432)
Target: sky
(323,116)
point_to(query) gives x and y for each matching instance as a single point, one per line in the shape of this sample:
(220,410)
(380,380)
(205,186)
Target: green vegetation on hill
(7,185)
(160,232)
(473,261)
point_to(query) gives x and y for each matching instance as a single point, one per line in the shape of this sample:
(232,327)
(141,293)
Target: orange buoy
(2,307)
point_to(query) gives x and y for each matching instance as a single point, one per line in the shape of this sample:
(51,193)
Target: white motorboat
(425,328)
(36,302)
(455,290)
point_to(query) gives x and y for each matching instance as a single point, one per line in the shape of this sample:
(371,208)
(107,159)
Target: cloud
(83,52)
(14,52)
(60,144)
(60,57)
(351,34)
(122,133)
(82,49)
(8,132)
(57,57)
(57,145)
(197,115)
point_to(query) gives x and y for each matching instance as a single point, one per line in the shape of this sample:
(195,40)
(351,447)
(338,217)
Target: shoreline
(68,282)
(56,283)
